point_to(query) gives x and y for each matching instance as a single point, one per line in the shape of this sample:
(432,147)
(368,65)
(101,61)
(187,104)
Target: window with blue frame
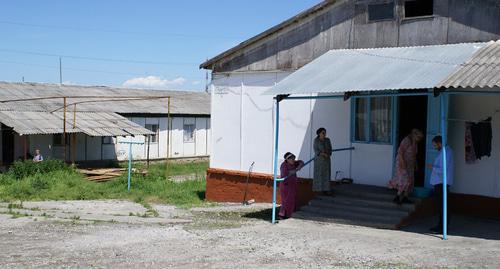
(372,120)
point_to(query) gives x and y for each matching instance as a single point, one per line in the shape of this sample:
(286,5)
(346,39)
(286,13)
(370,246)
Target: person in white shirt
(38,156)
(437,177)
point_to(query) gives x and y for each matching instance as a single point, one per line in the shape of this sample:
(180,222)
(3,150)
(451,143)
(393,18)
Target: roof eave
(211,62)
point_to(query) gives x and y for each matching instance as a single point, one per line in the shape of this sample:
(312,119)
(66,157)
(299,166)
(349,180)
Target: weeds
(57,181)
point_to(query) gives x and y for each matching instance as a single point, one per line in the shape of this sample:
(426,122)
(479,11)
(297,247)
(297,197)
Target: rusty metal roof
(90,123)
(481,71)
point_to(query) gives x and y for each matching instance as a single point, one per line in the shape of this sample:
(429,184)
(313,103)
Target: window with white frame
(155,129)
(189,129)
(372,120)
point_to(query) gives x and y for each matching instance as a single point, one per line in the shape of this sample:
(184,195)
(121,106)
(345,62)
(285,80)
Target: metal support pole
(275,170)
(147,160)
(129,165)
(444,110)
(73,137)
(169,127)
(64,129)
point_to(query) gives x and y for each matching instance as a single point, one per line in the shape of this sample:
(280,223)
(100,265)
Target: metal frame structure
(99,99)
(436,93)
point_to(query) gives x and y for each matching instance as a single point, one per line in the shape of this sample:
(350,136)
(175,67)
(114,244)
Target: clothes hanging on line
(470,153)
(478,138)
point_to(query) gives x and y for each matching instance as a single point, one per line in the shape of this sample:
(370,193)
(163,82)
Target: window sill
(381,20)
(419,18)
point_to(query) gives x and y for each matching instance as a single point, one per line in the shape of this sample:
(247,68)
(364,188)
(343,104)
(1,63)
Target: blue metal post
(444,110)
(129,165)
(275,170)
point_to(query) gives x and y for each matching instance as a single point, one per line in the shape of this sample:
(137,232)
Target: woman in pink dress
(288,187)
(406,164)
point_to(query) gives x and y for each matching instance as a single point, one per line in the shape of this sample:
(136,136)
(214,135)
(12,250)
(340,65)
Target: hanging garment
(470,154)
(481,138)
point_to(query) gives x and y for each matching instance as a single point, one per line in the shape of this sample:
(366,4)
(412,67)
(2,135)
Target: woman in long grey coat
(322,163)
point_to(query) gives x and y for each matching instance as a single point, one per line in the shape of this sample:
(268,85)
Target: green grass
(68,184)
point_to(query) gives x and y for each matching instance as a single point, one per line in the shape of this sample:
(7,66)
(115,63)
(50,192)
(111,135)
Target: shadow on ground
(261,215)
(464,226)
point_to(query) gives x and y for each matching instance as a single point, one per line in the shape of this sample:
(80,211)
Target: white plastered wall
(482,177)
(242,122)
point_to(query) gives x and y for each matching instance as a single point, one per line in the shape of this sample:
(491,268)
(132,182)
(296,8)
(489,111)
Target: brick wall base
(229,186)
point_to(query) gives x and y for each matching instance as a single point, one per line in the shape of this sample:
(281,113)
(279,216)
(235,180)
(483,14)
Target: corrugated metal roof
(90,123)
(182,102)
(29,122)
(481,71)
(339,71)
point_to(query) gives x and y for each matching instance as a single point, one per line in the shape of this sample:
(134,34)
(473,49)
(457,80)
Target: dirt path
(220,238)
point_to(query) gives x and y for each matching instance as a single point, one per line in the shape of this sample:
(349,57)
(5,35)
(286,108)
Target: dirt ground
(120,234)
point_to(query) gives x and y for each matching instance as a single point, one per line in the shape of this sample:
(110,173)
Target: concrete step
(369,210)
(375,193)
(353,216)
(343,220)
(360,202)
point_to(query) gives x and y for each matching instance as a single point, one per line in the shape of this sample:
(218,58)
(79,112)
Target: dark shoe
(397,200)
(282,217)
(406,201)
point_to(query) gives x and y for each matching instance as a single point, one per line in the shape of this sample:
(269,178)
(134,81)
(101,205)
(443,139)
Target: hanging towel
(481,138)
(470,154)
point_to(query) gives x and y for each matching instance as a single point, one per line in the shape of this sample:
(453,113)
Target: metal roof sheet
(182,102)
(90,123)
(339,71)
(481,71)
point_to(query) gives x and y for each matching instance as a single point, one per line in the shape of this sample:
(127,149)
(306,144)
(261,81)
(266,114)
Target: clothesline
(477,121)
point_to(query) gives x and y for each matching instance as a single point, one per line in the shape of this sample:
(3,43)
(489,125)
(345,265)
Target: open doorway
(7,145)
(412,113)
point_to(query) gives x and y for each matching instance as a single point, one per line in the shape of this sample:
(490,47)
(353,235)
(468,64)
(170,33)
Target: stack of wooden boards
(107,174)
(102,174)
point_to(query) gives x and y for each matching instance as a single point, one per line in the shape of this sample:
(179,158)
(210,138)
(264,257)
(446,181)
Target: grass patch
(64,183)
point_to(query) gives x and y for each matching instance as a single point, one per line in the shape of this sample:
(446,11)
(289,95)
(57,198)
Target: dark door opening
(412,113)
(7,145)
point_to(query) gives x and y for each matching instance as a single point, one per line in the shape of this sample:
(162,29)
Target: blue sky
(166,39)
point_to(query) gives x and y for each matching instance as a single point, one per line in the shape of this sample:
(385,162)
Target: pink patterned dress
(288,188)
(406,161)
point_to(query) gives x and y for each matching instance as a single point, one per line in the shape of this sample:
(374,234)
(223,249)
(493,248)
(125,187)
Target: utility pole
(60,71)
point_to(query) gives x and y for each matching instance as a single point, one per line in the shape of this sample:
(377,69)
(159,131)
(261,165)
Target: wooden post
(169,127)
(64,129)
(25,147)
(73,137)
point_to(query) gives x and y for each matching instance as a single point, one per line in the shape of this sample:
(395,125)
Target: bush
(23,169)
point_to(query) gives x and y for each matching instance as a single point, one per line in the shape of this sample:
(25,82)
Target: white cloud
(196,82)
(153,82)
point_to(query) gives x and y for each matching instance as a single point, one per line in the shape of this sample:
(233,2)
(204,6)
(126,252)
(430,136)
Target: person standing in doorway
(322,163)
(288,187)
(437,177)
(406,164)
(38,156)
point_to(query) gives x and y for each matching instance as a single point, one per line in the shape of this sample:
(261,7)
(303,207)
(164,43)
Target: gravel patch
(222,237)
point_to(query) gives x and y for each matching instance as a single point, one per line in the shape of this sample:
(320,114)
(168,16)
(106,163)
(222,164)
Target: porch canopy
(356,70)
(89,123)
(391,72)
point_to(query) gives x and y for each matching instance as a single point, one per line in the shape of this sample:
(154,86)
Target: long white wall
(482,177)
(243,130)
